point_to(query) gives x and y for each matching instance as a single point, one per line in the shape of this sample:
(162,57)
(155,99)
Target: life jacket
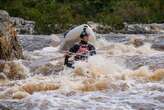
(82,53)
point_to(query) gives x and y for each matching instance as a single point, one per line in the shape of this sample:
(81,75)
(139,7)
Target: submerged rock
(9,45)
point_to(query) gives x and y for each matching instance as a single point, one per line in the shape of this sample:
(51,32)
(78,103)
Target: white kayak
(73,36)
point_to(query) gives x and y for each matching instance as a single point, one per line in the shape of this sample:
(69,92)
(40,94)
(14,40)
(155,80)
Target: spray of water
(102,73)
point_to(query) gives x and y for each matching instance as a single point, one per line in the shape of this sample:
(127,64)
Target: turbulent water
(121,76)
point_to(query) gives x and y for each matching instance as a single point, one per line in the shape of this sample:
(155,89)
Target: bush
(54,16)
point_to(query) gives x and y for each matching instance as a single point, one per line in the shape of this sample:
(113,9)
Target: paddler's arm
(92,50)
(72,50)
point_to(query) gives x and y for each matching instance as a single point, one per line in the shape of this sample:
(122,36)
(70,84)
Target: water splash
(102,82)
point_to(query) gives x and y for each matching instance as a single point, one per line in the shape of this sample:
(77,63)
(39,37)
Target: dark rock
(99,28)
(9,45)
(103,29)
(153,28)
(143,28)
(23,26)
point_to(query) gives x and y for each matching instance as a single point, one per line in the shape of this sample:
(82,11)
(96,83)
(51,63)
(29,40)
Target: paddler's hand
(68,54)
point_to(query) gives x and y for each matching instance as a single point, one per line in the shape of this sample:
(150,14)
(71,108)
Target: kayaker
(80,50)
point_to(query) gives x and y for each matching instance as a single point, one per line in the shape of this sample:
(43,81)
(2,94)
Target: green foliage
(54,16)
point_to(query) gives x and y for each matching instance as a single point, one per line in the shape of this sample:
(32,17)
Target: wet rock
(13,70)
(9,45)
(143,28)
(99,28)
(137,42)
(153,28)
(103,29)
(37,87)
(20,95)
(157,75)
(37,42)
(23,26)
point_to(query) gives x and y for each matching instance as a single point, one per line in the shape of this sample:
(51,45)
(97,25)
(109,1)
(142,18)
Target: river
(121,76)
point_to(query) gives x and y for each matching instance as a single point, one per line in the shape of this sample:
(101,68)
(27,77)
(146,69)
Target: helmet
(84,32)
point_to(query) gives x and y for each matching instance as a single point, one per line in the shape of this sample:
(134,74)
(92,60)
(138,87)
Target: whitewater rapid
(120,77)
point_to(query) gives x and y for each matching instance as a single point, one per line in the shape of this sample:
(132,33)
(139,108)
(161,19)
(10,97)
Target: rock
(37,42)
(37,87)
(20,95)
(99,28)
(13,70)
(23,26)
(9,45)
(143,28)
(137,42)
(157,75)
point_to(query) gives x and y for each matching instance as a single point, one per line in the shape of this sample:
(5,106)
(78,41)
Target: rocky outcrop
(99,28)
(143,28)
(153,28)
(23,26)
(9,45)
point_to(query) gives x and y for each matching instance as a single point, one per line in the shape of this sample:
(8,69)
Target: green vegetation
(58,15)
